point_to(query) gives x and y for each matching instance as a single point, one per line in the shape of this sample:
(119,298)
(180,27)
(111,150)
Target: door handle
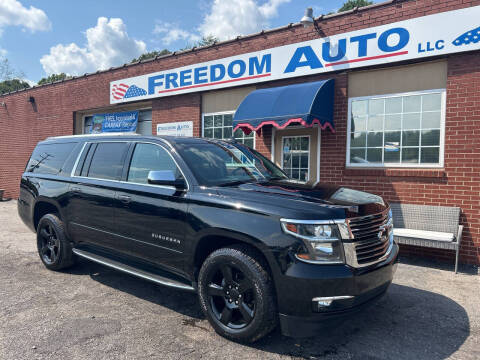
(124,198)
(76,189)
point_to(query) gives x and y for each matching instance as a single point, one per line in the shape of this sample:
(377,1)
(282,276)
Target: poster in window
(115,122)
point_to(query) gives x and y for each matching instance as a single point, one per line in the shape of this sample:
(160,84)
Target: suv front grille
(371,237)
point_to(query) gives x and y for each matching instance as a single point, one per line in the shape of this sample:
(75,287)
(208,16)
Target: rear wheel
(236,294)
(53,246)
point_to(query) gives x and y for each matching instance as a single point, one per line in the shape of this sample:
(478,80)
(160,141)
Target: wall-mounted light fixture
(2,104)
(308,20)
(31,99)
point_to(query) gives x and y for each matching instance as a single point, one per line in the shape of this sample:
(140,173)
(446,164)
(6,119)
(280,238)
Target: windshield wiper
(277,178)
(236,182)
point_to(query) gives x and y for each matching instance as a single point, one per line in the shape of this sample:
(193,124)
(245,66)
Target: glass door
(296,157)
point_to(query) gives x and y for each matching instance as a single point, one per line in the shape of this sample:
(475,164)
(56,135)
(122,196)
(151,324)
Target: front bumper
(302,282)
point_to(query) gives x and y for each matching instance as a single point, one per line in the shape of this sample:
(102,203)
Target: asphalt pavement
(93,312)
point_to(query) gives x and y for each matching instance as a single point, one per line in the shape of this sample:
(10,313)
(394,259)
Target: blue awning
(306,104)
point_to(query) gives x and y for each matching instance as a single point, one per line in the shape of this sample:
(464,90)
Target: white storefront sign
(432,35)
(183,128)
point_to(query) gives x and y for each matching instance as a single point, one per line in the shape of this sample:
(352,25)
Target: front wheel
(236,294)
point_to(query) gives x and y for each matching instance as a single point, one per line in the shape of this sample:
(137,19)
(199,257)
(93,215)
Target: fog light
(323,303)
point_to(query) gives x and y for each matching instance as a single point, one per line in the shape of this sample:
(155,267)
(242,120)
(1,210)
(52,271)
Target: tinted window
(81,162)
(227,163)
(107,161)
(149,157)
(49,159)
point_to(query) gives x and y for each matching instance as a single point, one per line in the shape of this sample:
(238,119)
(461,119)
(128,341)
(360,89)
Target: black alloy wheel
(231,296)
(236,293)
(49,244)
(53,246)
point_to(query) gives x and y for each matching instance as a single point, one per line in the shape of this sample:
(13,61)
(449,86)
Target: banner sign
(183,128)
(115,122)
(432,35)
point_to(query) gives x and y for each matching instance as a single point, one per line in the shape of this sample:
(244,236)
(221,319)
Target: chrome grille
(371,237)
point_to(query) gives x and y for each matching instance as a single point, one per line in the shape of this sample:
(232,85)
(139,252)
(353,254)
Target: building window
(401,130)
(144,126)
(296,157)
(87,124)
(219,126)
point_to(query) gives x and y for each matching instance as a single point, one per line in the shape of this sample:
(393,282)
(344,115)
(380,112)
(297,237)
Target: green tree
(207,40)
(10,79)
(352,4)
(204,41)
(53,78)
(151,54)
(7,86)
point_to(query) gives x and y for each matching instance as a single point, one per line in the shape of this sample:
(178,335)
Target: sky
(43,37)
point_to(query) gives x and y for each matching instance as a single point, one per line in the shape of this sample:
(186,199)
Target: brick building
(406,108)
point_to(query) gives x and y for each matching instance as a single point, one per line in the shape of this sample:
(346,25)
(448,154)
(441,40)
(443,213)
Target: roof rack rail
(85,135)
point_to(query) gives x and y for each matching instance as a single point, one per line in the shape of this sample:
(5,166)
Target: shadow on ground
(439,264)
(407,323)
(183,302)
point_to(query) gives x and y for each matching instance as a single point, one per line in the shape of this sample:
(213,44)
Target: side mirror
(166,178)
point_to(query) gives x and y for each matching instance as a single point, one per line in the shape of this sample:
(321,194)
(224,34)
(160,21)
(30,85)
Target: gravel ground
(92,312)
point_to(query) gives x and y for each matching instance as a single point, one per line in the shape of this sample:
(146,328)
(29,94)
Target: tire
(53,246)
(239,303)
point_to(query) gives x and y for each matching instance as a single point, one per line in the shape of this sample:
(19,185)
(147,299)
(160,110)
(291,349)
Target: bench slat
(423,234)
(427,243)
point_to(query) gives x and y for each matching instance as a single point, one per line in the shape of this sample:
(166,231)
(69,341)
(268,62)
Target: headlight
(321,242)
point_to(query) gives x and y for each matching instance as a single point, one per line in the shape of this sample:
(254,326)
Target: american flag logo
(470,37)
(123,91)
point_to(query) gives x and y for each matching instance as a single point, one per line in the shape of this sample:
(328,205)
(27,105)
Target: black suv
(215,217)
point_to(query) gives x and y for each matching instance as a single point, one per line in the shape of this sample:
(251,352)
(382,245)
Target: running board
(132,270)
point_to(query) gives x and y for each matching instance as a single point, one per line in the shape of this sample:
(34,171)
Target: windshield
(223,164)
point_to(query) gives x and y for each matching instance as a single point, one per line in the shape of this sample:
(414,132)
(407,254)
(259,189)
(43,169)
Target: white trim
(232,112)
(308,151)
(399,165)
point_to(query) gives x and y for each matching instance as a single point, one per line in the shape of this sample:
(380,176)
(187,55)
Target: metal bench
(428,226)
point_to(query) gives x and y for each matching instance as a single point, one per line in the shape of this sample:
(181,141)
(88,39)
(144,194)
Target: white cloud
(269,9)
(108,44)
(172,32)
(225,19)
(230,18)
(13,13)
